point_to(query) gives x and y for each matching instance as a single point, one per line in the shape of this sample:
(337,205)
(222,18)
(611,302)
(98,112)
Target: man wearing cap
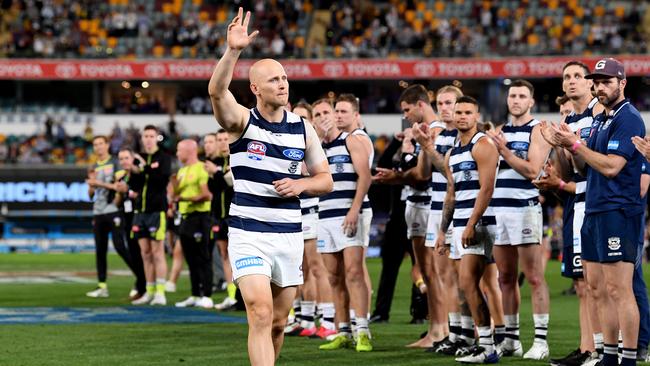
(613,209)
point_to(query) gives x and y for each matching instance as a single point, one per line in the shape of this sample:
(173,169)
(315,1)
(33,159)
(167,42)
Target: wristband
(575,146)
(562,184)
(419,282)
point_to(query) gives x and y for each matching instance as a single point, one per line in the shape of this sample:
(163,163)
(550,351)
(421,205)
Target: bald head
(187,151)
(269,82)
(263,68)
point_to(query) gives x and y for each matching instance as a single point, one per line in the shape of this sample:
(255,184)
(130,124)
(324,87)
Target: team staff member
(124,200)
(268,147)
(106,217)
(193,197)
(149,222)
(217,164)
(614,208)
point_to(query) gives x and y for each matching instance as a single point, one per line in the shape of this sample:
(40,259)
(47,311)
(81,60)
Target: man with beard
(561,176)
(614,209)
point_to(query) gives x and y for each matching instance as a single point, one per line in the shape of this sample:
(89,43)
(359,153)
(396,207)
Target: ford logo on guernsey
(293,154)
(256,150)
(249,262)
(519,146)
(339,159)
(466,165)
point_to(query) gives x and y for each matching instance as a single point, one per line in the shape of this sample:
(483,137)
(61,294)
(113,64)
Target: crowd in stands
(360,28)
(52,145)
(144,28)
(487,28)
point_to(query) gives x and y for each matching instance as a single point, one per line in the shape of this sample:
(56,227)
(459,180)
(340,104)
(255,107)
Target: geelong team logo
(614,243)
(256,150)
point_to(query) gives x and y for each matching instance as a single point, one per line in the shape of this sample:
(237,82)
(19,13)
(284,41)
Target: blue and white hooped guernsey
(337,203)
(581,124)
(264,153)
(512,189)
(417,197)
(444,141)
(466,184)
(308,205)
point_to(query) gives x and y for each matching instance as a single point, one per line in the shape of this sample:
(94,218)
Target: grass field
(214,344)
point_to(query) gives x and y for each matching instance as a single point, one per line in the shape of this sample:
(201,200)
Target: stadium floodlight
(145,84)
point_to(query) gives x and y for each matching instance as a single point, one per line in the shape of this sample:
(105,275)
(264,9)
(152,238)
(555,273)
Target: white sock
(328,315)
(599,344)
(512,328)
(353,323)
(541,327)
(485,339)
(362,325)
(454,327)
(307,310)
(467,332)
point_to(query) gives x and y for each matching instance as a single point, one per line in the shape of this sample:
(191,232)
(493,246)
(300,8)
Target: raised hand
(499,140)
(238,37)
(563,136)
(422,134)
(546,131)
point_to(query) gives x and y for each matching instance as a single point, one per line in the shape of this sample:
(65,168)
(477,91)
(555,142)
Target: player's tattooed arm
(449,204)
(426,137)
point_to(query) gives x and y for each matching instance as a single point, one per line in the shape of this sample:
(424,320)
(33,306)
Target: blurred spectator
(88,132)
(197,105)
(4,149)
(93,28)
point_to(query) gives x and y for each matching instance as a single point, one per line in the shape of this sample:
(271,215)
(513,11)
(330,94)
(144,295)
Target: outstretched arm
(231,115)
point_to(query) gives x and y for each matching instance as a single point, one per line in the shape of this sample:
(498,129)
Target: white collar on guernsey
(615,112)
(592,103)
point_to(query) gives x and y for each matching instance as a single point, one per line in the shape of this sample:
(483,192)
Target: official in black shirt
(124,200)
(149,223)
(217,164)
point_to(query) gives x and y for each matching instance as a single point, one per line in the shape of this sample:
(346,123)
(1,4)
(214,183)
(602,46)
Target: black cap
(608,67)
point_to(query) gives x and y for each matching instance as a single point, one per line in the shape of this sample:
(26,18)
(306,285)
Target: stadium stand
(306,29)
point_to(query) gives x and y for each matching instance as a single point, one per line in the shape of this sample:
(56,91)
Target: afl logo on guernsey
(256,150)
(293,154)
